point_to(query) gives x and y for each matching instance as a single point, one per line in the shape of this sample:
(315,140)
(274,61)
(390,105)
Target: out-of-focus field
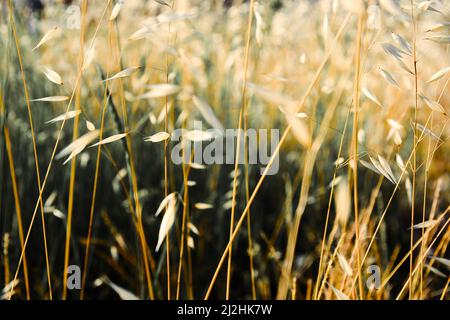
(358,89)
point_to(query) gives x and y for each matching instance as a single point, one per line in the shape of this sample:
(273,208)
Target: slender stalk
(73,164)
(383,214)
(49,167)
(166,177)
(94,193)
(17,206)
(129,155)
(414,162)
(355,147)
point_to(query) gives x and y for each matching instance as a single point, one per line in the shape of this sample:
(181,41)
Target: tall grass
(359,92)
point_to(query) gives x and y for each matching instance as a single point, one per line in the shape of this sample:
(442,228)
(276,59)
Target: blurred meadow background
(91,90)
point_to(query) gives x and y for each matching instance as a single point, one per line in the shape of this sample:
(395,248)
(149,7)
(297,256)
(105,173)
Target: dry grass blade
(158,137)
(208,113)
(115,11)
(433,105)
(53,76)
(389,77)
(371,96)
(199,135)
(345,266)
(110,139)
(78,145)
